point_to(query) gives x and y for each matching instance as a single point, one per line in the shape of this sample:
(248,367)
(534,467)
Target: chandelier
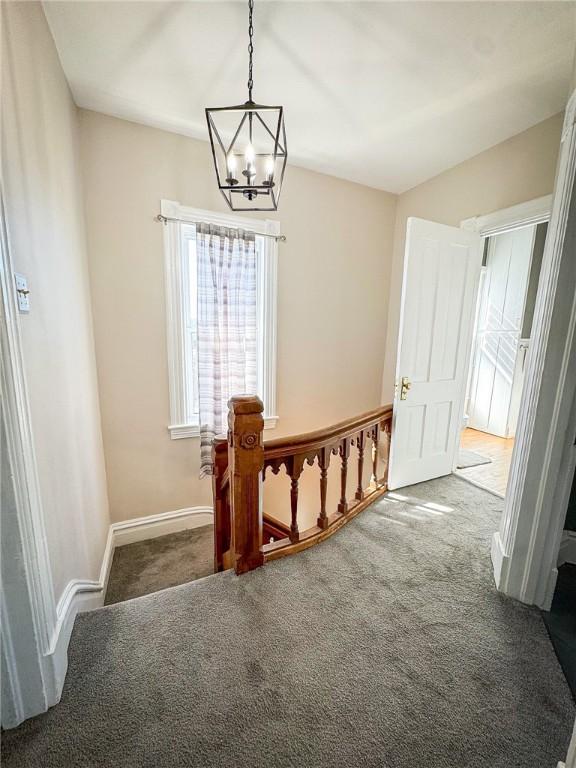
(248,144)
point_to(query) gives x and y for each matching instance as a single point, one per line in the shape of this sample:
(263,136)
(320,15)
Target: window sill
(181,431)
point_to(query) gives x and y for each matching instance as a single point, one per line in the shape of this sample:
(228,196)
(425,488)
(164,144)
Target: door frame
(530,213)
(525,548)
(33,660)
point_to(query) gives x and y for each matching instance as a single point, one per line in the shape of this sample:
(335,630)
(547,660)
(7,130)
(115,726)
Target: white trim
(270,422)
(268,307)
(498,557)
(180,426)
(13,707)
(28,610)
(522,215)
(531,527)
(567,551)
(22,457)
(180,431)
(84,595)
(143,528)
(175,322)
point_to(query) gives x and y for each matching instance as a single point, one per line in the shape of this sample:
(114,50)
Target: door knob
(405,387)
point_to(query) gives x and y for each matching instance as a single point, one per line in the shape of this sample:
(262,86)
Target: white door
(498,368)
(441,276)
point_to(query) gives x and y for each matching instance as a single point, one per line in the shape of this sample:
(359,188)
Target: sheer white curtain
(227,327)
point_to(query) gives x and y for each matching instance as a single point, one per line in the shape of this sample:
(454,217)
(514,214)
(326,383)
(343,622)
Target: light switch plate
(22,292)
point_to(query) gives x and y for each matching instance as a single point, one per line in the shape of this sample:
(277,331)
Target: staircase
(246,537)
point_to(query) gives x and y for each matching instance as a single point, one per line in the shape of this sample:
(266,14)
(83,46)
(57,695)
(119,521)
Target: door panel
(441,273)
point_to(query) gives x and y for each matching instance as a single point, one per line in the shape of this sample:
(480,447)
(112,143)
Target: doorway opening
(509,277)
(466,315)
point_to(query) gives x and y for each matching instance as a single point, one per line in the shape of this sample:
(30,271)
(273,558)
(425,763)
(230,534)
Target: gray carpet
(167,561)
(386,646)
(468,458)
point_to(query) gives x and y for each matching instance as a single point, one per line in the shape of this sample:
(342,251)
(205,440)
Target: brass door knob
(405,387)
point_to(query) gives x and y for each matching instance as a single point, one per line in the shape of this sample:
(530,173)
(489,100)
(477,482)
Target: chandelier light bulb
(231,165)
(249,155)
(270,166)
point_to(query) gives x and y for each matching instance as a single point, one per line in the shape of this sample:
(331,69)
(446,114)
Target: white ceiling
(387,94)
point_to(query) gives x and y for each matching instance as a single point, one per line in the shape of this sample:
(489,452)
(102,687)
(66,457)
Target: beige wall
(41,181)
(332,302)
(519,169)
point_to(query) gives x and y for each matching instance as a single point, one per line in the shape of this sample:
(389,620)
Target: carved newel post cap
(245,404)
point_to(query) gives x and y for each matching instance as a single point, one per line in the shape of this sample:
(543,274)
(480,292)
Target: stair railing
(242,459)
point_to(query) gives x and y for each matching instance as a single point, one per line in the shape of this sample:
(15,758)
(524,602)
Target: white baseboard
(501,565)
(499,559)
(85,595)
(567,551)
(142,528)
(79,595)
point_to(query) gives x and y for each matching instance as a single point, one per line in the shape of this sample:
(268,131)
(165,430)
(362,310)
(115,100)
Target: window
(180,263)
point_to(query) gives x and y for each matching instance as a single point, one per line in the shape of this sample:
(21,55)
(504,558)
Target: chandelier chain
(250,47)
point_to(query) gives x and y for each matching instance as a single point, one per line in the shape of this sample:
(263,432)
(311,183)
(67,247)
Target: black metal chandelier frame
(248,194)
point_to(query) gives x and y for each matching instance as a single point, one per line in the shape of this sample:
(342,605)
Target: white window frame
(176,283)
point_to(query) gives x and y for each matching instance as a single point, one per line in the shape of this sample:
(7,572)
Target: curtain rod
(166,219)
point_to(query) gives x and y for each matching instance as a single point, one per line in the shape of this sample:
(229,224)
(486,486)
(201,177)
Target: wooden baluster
(246,461)
(221,506)
(344,454)
(360,443)
(294,532)
(294,467)
(323,463)
(375,434)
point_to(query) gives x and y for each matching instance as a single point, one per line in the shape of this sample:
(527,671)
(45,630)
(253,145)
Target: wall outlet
(22,292)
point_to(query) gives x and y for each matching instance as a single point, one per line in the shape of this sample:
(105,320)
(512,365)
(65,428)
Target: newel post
(246,461)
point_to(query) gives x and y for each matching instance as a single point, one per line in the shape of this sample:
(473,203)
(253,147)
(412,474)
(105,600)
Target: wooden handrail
(241,461)
(283,446)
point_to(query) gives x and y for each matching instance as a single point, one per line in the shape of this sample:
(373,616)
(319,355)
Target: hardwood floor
(499,449)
